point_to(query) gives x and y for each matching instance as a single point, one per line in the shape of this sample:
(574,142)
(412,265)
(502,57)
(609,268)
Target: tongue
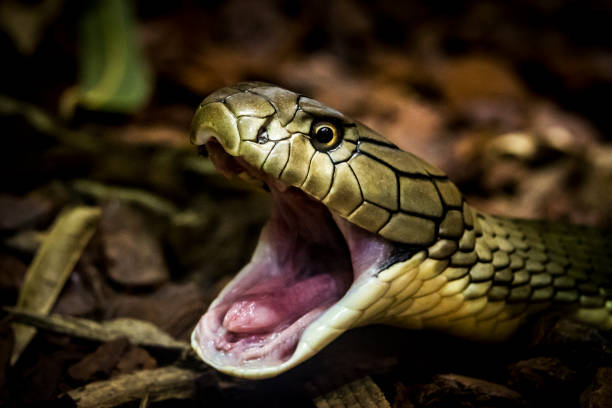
(263,312)
(255,315)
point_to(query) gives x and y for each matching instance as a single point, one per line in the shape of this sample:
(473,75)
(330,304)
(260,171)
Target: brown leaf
(99,364)
(134,256)
(135,359)
(110,359)
(174,308)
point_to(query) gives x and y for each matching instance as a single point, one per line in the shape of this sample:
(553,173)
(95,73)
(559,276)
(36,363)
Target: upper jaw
(215,120)
(231,166)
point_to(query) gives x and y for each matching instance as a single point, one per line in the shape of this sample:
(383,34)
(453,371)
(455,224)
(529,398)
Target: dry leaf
(52,266)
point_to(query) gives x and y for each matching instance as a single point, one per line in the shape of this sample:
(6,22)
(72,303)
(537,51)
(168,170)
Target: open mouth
(306,261)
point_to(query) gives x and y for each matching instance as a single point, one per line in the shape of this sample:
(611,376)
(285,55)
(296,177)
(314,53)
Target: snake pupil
(324,134)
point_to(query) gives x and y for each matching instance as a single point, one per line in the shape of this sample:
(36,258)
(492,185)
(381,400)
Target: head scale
(354,171)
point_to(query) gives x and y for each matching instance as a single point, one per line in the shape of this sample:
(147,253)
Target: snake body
(450,267)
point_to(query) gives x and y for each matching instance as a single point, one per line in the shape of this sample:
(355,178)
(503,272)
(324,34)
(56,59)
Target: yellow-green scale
(517,268)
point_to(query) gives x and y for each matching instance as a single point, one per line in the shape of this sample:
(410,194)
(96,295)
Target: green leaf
(114,75)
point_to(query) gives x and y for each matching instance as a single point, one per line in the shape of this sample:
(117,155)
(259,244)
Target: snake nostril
(262,136)
(202,151)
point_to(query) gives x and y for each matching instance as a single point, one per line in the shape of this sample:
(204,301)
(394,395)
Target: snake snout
(215,120)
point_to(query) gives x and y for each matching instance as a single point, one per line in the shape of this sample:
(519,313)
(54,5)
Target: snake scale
(417,255)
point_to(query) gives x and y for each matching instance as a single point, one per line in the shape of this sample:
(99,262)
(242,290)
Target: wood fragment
(363,393)
(52,266)
(138,332)
(145,385)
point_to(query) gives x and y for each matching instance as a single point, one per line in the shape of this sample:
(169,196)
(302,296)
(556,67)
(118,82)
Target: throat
(309,267)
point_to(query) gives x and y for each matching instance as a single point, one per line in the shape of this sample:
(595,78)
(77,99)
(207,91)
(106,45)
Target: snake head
(348,205)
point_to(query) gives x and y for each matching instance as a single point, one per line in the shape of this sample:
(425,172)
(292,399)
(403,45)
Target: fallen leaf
(52,266)
(138,332)
(132,252)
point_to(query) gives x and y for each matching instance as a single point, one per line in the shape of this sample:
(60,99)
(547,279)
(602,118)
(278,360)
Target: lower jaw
(261,355)
(242,352)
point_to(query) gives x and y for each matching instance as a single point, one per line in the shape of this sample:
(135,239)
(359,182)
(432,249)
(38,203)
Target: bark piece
(156,385)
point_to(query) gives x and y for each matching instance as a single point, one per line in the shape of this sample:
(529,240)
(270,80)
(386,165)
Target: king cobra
(362,232)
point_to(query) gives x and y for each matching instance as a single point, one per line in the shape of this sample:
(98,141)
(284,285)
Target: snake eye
(325,136)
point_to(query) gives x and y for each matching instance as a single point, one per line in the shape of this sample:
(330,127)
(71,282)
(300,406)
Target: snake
(361,232)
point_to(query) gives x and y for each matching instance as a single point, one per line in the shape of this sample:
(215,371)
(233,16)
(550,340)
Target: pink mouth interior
(305,262)
(269,307)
